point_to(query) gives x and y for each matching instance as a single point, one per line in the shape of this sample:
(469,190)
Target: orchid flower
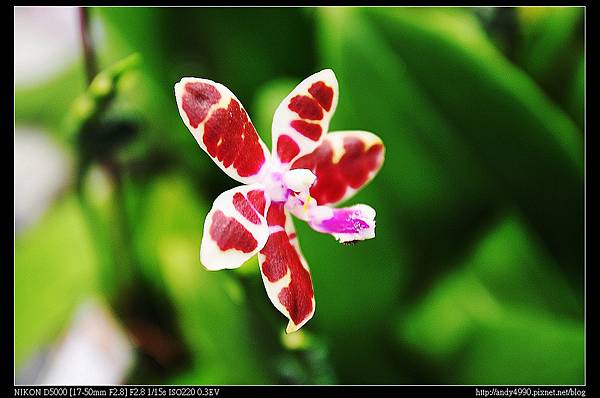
(308,171)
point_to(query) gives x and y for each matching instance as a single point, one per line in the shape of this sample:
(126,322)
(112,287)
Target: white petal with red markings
(222,128)
(284,270)
(235,229)
(344,163)
(302,119)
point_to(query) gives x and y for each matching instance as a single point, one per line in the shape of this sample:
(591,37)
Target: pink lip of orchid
(307,171)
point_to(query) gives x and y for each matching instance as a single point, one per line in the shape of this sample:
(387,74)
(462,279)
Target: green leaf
(48,103)
(101,200)
(525,275)
(210,306)
(533,151)
(432,190)
(158,208)
(549,36)
(431,196)
(55,268)
(575,96)
(527,348)
(509,305)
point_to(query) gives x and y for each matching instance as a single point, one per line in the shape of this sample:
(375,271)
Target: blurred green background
(476,273)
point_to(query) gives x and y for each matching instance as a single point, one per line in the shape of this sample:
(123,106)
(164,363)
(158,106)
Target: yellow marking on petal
(338,150)
(368,139)
(370,142)
(307,202)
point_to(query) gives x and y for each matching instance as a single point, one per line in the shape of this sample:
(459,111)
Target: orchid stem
(89,55)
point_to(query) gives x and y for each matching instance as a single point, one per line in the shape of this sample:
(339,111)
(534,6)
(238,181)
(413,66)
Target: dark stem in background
(89,55)
(153,334)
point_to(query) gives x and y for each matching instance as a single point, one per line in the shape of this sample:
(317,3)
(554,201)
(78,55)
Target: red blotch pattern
(245,208)
(287,149)
(276,214)
(322,93)
(197,100)
(257,198)
(309,130)
(352,170)
(306,107)
(228,233)
(357,163)
(276,262)
(281,256)
(230,137)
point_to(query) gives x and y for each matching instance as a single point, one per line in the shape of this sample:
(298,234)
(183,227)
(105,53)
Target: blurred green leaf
(551,49)
(433,86)
(210,306)
(164,206)
(525,347)
(48,103)
(501,25)
(535,155)
(575,98)
(430,196)
(448,316)
(548,37)
(524,276)
(101,203)
(55,268)
(497,305)
(432,192)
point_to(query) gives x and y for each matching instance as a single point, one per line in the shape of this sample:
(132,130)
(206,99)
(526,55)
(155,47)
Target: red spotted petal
(343,163)
(284,270)
(222,128)
(235,229)
(302,119)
